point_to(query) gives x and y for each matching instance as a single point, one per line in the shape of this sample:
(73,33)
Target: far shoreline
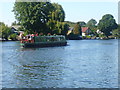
(67,39)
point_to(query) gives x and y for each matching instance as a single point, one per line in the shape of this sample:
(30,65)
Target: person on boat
(31,38)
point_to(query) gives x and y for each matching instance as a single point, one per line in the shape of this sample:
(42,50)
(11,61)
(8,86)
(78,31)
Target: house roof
(84,29)
(16,26)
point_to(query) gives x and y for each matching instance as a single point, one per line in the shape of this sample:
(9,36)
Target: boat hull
(44,44)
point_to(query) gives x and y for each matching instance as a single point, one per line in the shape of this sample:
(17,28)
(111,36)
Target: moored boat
(43,41)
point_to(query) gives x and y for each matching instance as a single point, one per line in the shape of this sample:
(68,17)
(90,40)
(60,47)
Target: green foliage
(93,30)
(116,32)
(88,37)
(65,28)
(13,36)
(57,27)
(72,36)
(33,15)
(102,36)
(40,17)
(71,24)
(56,23)
(21,29)
(57,13)
(82,24)
(5,31)
(92,25)
(91,22)
(107,24)
(15,23)
(77,29)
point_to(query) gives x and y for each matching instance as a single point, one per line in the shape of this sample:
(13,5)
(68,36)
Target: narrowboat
(30,41)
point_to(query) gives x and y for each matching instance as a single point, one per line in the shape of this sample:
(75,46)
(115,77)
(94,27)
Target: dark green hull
(43,44)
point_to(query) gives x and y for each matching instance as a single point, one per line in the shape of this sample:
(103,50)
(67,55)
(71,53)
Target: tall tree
(5,31)
(56,21)
(65,28)
(116,32)
(82,23)
(92,25)
(39,17)
(77,29)
(58,13)
(107,24)
(33,15)
(91,22)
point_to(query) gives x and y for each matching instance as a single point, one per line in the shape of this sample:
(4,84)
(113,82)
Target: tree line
(6,32)
(107,26)
(49,18)
(41,17)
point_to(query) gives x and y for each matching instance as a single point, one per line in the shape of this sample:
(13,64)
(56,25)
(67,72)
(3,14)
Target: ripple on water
(79,65)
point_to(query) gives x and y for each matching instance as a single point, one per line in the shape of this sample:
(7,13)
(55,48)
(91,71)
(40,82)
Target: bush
(88,37)
(13,37)
(74,37)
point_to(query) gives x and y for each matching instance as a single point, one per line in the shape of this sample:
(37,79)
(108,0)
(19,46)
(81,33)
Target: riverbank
(67,39)
(1,39)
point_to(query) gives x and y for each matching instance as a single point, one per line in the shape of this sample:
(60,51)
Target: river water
(80,64)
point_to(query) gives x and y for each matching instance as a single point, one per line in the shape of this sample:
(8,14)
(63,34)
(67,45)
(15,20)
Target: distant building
(85,31)
(15,28)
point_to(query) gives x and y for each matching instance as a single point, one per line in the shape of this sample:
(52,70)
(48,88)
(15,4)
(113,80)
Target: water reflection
(40,68)
(27,49)
(81,64)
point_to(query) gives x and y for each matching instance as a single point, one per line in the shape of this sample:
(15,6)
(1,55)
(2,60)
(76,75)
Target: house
(85,31)
(15,28)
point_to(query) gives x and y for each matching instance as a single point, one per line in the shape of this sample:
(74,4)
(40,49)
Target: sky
(75,10)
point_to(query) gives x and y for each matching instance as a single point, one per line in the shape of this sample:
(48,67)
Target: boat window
(61,38)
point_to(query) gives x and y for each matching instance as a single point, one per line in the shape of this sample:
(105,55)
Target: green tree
(82,23)
(56,21)
(71,24)
(33,15)
(57,27)
(13,36)
(40,17)
(15,23)
(57,13)
(65,28)
(116,32)
(107,24)
(92,25)
(91,22)
(77,29)
(5,31)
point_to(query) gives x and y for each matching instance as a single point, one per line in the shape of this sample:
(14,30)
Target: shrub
(13,37)
(88,37)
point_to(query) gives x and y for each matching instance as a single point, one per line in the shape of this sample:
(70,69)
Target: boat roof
(53,36)
(49,36)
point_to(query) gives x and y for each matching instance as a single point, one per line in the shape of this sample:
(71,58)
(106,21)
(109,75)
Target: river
(80,64)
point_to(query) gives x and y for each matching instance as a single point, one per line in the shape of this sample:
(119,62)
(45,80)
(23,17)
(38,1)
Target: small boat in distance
(31,41)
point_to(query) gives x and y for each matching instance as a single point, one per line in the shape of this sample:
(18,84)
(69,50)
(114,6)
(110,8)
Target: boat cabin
(32,39)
